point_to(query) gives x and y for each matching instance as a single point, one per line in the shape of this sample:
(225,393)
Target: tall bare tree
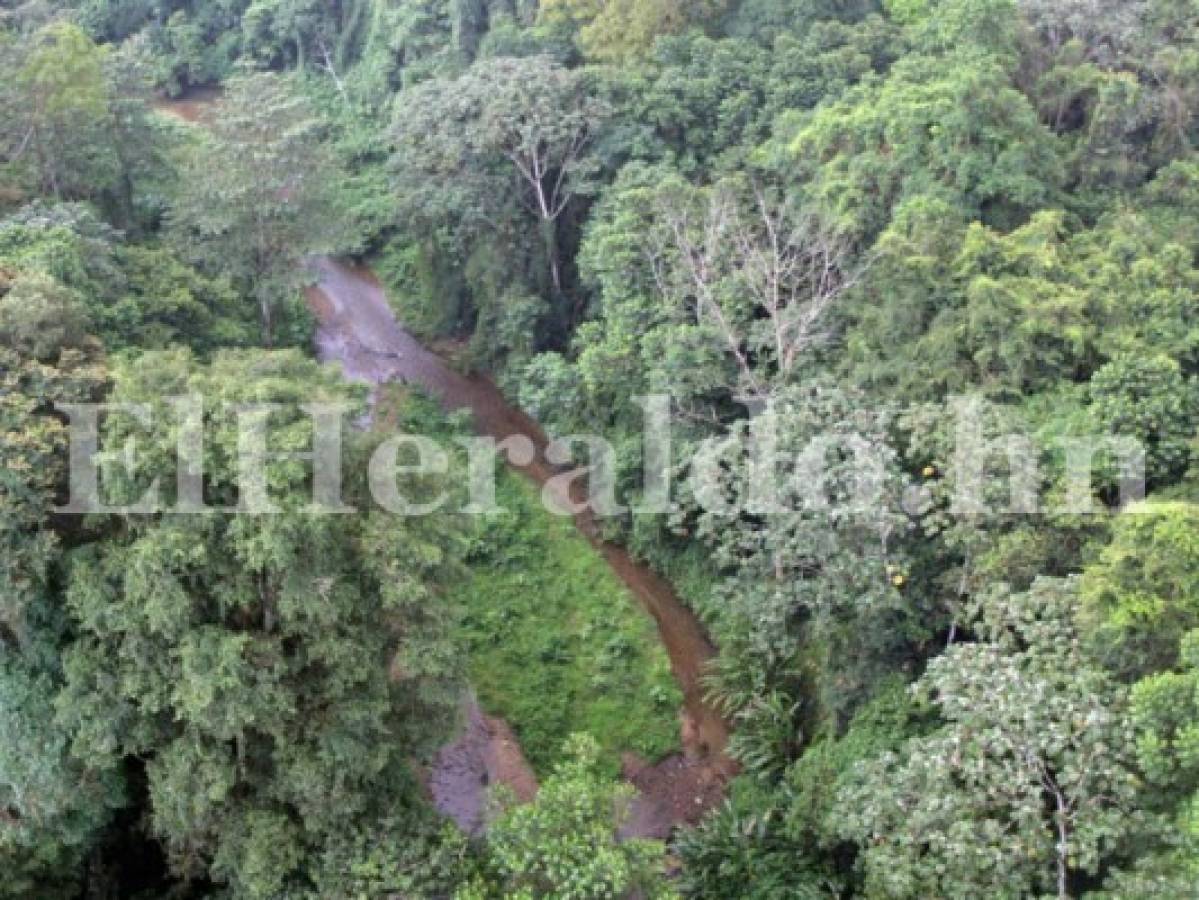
(508,129)
(761,272)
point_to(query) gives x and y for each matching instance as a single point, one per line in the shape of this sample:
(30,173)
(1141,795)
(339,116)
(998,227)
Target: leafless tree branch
(763,275)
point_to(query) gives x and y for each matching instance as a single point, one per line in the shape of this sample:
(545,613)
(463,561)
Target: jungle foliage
(862,217)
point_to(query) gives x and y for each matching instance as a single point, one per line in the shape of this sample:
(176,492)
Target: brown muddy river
(357,328)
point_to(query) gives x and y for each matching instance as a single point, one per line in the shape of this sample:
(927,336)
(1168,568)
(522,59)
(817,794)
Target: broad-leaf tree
(52,806)
(55,100)
(1027,787)
(258,196)
(1141,595)
(518,129)
(565,843)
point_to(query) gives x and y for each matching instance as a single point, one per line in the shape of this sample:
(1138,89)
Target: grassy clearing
(557,644)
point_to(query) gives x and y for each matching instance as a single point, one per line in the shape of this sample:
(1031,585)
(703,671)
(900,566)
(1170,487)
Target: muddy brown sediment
(358,329)
(485,754)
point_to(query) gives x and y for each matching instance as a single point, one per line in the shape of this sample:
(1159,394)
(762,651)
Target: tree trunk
(46,167)
(549,237)
(1063,845)
(264,307)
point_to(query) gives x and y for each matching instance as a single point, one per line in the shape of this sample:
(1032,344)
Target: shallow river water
(357,328)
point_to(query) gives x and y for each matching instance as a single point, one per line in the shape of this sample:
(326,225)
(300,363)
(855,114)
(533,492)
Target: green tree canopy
(623,30)
(1011,798)
(258,195)
(509,131)
(56,99)
(277,672)
(955,128)
(1142,594)
(565,844)
(51,805)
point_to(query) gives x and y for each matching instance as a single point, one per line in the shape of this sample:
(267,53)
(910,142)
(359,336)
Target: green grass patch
(557,643)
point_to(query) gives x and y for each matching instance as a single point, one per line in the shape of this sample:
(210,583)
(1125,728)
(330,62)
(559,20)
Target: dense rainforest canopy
(875,220)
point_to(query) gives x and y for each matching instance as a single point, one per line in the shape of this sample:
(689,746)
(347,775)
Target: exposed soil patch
(671,793)
(485,754)
(193,106)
